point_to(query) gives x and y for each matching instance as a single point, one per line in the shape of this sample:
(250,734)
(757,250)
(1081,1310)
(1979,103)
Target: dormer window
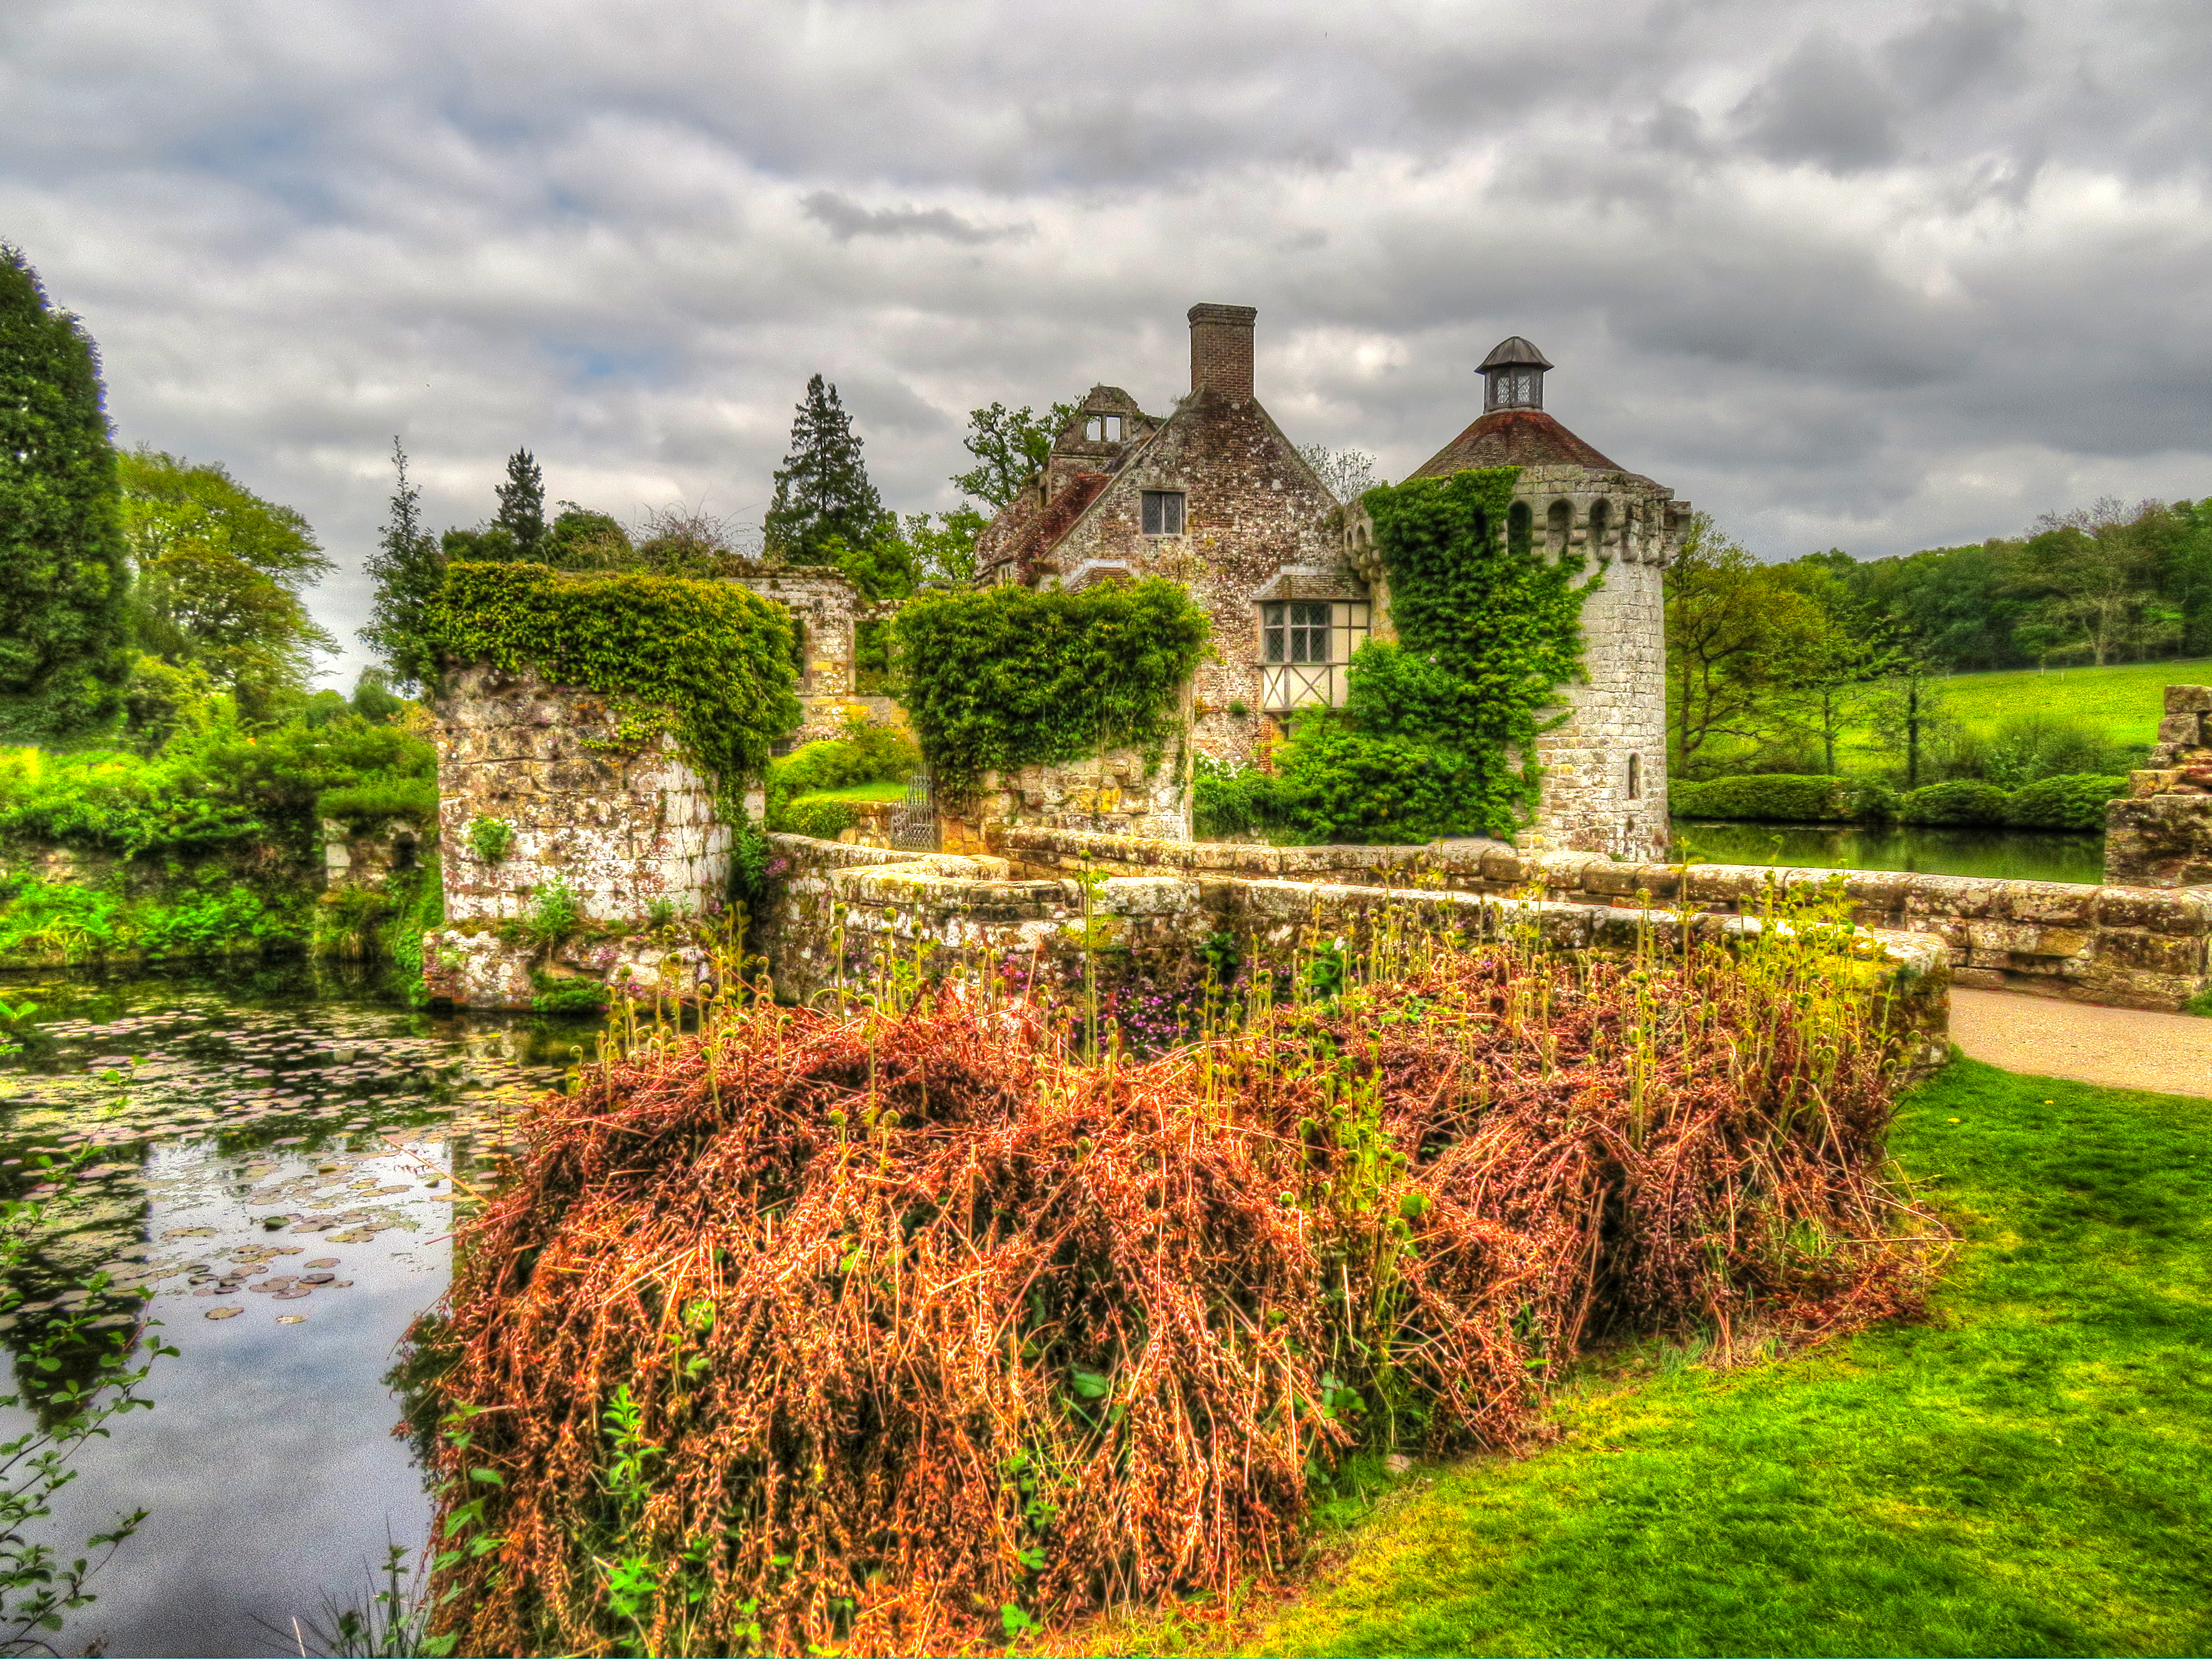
(1102,429)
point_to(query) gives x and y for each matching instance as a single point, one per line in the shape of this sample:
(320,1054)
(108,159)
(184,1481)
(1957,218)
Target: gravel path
(2120,1048)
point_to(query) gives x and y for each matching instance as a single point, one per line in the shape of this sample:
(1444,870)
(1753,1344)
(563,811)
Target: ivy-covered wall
(708,662)
(1438,734)
(1050,707)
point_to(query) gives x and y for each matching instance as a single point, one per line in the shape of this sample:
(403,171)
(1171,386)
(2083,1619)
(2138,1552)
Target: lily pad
(231,1312)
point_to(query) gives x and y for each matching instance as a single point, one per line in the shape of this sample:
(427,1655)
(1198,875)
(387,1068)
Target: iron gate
(913,820)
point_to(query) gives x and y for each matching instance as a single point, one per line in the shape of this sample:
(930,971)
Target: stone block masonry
(846,920)
(2125,947)
(621,820)
(2161,835)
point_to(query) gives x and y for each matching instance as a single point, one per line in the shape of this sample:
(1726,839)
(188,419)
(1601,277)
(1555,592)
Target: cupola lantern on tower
(1513,371)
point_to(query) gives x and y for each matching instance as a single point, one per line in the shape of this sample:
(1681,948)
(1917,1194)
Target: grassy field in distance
(2123,701)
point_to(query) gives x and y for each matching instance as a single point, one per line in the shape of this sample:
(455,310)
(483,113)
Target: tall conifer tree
(63,627)
(821,490)
(522,504)
(408,569)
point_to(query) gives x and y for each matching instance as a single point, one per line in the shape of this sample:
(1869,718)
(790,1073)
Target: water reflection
(2006,854)
(275,1155)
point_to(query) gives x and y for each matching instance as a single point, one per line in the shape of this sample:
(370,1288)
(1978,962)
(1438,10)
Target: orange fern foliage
(892,1331)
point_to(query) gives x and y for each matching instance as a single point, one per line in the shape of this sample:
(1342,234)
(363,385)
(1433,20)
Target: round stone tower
(1605,766)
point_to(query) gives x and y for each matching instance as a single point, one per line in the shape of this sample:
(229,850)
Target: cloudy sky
(1884,276)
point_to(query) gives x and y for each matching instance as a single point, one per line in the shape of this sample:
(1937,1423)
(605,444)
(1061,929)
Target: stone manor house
(1213,495)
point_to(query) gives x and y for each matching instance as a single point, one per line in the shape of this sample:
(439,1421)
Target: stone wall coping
(888,877)
(2175,909)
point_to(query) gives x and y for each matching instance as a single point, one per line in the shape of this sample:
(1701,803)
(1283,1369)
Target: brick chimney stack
(1221,349)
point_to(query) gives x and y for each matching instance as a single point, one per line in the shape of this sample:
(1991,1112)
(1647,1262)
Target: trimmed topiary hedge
(1962,801)
(1785,798)
(2074,802)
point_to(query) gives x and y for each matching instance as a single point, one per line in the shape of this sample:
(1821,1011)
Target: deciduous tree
(1009,446)
(1348,473)
(1735,632)
(219,572)
(2091,576)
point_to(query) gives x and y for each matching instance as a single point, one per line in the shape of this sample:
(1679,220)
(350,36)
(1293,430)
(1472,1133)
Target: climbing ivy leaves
(1437,736)
(709,657)
(1003,678)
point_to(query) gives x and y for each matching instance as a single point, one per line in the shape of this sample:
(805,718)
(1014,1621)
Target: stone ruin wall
(2161,835)
(623,825)
(829,610)
(847,919)
(2127,947)
(1122,791)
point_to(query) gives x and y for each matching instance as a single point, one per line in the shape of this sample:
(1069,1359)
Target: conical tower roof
(1514,351)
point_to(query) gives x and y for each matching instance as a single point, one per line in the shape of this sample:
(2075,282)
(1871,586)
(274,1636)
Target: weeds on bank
(939,1318)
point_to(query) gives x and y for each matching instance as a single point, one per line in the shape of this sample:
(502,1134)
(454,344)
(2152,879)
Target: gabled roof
(1052,521)
(1512,437)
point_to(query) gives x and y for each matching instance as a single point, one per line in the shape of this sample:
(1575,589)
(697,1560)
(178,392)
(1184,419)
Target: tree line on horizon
(1785,666)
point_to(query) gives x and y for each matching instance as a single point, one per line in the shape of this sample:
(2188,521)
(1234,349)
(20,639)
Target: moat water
(275,1151)
(2007,854)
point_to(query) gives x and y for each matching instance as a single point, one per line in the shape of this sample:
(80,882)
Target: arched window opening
(1600,522)
(1559,523)
(403,853)
(1519,522)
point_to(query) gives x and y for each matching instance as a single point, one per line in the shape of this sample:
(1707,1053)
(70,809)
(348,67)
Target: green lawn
(2124,702)
(893,790)
(2027,1475)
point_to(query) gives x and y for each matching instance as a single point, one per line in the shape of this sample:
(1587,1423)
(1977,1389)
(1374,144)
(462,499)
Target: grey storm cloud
(1880,274)
(846,219)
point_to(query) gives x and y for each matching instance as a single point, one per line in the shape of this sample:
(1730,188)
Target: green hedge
(1785,798)
(2076,802)
(377,800)
(2068,803)
(997,678)
(1961,801)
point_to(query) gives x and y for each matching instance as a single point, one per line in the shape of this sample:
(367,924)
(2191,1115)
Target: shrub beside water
(1783,798)
(2076,802)
(1961,801)
(2068,803)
